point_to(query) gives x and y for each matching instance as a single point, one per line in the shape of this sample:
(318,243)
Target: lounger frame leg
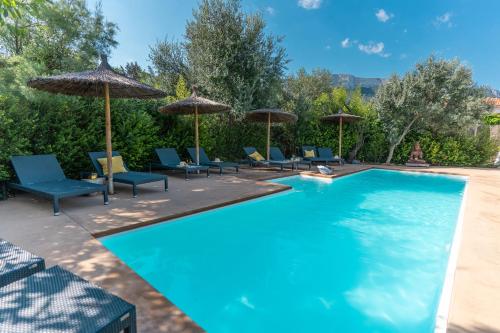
(220,171)
(186,175)
(134,191)
(105,196)
(208,173)
(237,169)
(55,204)
(166,184)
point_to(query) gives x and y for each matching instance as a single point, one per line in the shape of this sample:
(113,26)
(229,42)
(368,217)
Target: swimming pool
(365,253)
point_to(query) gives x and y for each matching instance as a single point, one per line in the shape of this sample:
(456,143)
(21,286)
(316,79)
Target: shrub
(449,150)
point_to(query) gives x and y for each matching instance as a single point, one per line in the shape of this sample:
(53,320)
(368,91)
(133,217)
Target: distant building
(495,102)
(495,130)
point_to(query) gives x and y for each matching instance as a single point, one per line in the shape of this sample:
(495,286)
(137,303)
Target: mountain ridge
(369,85)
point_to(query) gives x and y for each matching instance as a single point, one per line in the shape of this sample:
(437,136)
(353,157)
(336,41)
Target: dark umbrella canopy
(277,116)
(91,83)
(345,117)
(270,116)
(341,118)
(193,104)
(101,82)
(196,105)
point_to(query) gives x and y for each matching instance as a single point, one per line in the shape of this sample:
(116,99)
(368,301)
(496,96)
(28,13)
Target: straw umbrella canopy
(341,118)
(101,82)
(270,116)
(195,105)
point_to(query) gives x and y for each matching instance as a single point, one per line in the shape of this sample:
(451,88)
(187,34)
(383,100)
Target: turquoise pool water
(364,253)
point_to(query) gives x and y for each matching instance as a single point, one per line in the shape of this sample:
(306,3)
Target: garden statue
(417,157)
(416,154)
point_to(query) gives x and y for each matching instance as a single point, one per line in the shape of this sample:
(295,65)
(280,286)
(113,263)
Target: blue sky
(368,38)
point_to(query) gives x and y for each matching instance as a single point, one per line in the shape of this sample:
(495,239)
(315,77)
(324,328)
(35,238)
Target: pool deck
(69,240)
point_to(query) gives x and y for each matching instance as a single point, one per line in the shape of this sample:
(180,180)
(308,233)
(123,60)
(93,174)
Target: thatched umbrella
(101,82)
(341,118)
(195,105)
(270,116)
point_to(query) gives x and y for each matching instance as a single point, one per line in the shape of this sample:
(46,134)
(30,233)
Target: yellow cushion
(117,162)
(256,156)
(309,153)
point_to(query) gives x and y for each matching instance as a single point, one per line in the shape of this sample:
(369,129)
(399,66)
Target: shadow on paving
(471,329)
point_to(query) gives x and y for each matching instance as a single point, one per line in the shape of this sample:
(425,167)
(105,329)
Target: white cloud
(444,19)
(383,16)
(328,47)
(309,4)
(346,43)
(270,10)
(374,48)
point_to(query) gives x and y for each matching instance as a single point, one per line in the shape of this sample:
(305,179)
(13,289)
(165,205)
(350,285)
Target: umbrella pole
(196,135)
(109,149)
(340,138)
(268,136)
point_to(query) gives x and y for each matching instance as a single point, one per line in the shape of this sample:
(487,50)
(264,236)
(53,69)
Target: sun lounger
(277,155)
(321,155)
(253,162)
(168,159)
(43,176)
(204,160)
(133,178)
(56,300)
(16,263)
(327,154)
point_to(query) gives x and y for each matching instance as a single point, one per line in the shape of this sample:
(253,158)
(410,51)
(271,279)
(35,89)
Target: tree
(232,58)
(307,86)
(228,54)
(299,92)
(15,9)
(364,128)
(169,63)
(438,95)
(63,35)
(16,20)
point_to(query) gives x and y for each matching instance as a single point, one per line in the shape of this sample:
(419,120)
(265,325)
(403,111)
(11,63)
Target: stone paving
(70,240)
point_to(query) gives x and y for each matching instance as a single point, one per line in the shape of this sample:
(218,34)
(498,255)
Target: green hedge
(450,150)
(35,122)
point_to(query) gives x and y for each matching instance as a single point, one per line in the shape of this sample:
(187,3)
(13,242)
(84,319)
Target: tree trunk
(17,41)
(391,152)
(398,141)
(359,144)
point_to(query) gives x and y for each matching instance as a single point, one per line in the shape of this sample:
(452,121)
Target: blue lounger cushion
(133,178)
(16,263)
(204,160)
(168,159)
(42,175)
(56,300)
(61,188)
(277,155)
(319,158)
(253,162)
(327,154)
